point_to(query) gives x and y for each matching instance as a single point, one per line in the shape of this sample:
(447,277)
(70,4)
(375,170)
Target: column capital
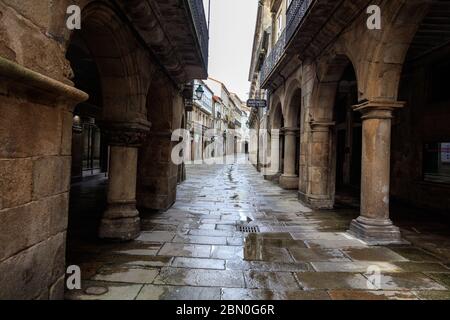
(321,125)
(378,109)
(275,133)
(290,131)
(125,135)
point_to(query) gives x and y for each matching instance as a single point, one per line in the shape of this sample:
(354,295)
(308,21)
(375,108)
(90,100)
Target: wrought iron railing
(273,57)
(201,28)
(295,13)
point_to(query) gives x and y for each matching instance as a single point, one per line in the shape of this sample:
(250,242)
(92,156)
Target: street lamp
(199,93)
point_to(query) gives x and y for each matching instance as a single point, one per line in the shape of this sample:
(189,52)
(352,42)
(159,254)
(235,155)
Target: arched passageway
(157,174)
(107,129)
(276,143)
(347,140)
(291,133)
(420,176)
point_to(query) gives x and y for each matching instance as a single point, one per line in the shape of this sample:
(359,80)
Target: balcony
(176,33)
(201,28)
(294,17)
(273,58)
(295,14)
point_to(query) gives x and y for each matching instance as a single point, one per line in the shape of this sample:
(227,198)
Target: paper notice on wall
(445,153)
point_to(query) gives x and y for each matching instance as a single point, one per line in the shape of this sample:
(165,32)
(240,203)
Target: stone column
(374,225)
(320,184)
(289,180)
(274,154)
(121,219)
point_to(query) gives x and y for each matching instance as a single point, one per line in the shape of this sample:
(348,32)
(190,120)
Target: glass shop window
(91,148)
(439,88)
(437,162)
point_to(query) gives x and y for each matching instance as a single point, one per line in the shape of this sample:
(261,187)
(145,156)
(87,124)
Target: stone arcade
(110,95)
(368,107)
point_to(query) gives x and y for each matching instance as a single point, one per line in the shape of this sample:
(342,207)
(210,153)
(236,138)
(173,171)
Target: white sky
(231,41)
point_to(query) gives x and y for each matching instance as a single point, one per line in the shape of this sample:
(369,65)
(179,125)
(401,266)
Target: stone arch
(321,161)
(277,119)
(276,116)
(120,62)
(123,75)
(157,174)
(293,104)
(330,73)
(382,66)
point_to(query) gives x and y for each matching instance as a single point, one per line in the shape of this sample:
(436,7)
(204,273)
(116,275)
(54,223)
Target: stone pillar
(274,154)
(289,180)
(320,184)
(374,225)
(121,219)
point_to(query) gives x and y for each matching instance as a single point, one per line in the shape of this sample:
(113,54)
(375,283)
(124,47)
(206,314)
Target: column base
(289,182)
(376,232)
(316,202)
(272,177)
(120,222)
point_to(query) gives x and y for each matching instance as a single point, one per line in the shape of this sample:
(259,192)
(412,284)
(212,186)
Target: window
(437,162)
(279,25)
(439,82)
(91,148)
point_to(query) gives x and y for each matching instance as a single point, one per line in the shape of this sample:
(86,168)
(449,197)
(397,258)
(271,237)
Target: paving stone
(335,244)
(226,252)
(211,233)
(205,227)
(225,227)
(432,295)
(264,294)
(270,280)
(317,255)
(139,252)
(156,236)
(354,266)
(409,281)
(415,254)
(421,266)
(200,240)
(373,254)
(269,254)
(332,280)
(268,266)
(318,236)
(114,291)
(154,261)
(127,275)
(154,292)
(196,263)
(443,278)
(235,241)
(371,295)
(200,278)
(185,250)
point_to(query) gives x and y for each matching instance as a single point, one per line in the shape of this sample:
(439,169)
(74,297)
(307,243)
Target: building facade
(230,121)
(199,120)
(110,94)
(356,109)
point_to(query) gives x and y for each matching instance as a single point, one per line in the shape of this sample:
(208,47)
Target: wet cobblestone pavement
(195,251)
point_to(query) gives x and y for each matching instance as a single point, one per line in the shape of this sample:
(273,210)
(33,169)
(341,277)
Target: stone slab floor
(195,251)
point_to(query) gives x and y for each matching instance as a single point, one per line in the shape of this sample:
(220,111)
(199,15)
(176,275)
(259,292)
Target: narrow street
(194,251)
